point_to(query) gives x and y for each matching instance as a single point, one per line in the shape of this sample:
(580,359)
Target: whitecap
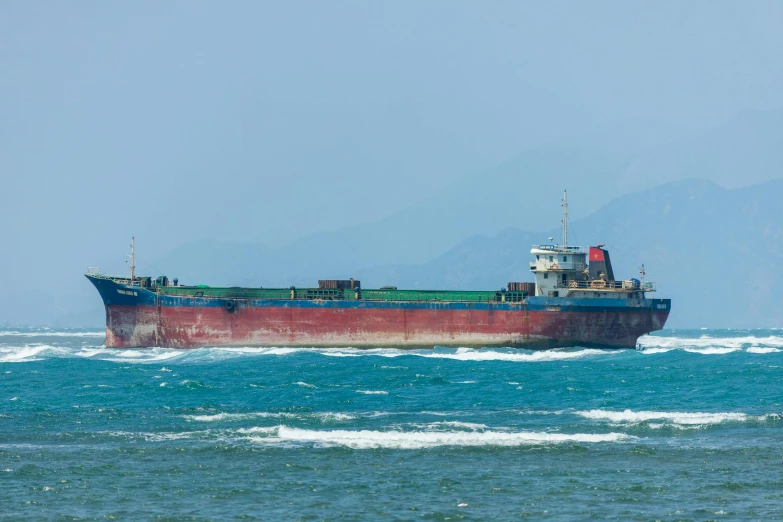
(713,351)
(707,344)
(452,424)
(258,429)
(652,351)
(136,355)
(762,349)
(251,350)
(234,416)
(48,333)
(482,354)
(326,416)
(155,437)
(686,418)
(28,353)
(373,392)
(368,439)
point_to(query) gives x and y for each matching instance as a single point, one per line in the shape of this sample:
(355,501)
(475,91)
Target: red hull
(188,327)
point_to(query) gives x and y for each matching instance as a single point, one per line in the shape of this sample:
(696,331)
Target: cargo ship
(575,301)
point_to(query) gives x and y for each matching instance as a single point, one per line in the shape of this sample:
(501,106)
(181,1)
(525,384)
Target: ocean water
(689,427)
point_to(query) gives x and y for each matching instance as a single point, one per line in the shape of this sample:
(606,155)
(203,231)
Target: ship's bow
(131,313)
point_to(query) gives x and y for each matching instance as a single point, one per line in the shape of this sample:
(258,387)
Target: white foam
(254,350)
(48,333)
(326,416)
(713,351)
(652,351)
(467,354)
(762,349)
(137,355)
(706,344)
(685,418)
(28,353)
(305,385)
(453,424)
(259,429)
(367,439)
(156,437)
(472,354)
(234,416)
(373,392)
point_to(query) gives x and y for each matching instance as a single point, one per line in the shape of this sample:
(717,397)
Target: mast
(133,258)
(565,220)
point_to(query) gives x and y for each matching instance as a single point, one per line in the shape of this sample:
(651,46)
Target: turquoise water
(688,428)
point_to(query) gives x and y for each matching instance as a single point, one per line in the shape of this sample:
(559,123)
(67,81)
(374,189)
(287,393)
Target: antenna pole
(133,258)
(565,220)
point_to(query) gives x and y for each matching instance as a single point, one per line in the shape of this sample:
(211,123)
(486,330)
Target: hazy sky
(264,121)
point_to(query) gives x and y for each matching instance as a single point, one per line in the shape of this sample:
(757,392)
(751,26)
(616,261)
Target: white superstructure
(556,267)
(567,271)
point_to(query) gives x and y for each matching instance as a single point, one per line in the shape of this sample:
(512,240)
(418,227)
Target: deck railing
(557,266)
(600,284)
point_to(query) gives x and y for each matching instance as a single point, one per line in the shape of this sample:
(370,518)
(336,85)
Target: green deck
(362,294)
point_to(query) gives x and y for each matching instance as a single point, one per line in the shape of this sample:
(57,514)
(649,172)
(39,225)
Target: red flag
(596,254)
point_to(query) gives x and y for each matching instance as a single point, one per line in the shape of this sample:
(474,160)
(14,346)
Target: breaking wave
(452,424)
(371,439)
(763,349)
(11,351)
(677,418)
(471,354)
(322,416)
(30,353)
(50,333)
(708,345)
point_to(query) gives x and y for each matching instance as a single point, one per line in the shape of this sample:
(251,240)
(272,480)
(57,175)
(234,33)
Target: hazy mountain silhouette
(524,193)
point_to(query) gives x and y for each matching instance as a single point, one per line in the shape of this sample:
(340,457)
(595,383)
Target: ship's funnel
(600,265)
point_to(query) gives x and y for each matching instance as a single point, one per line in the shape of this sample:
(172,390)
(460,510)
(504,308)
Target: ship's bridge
(557,258)
(557,266)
